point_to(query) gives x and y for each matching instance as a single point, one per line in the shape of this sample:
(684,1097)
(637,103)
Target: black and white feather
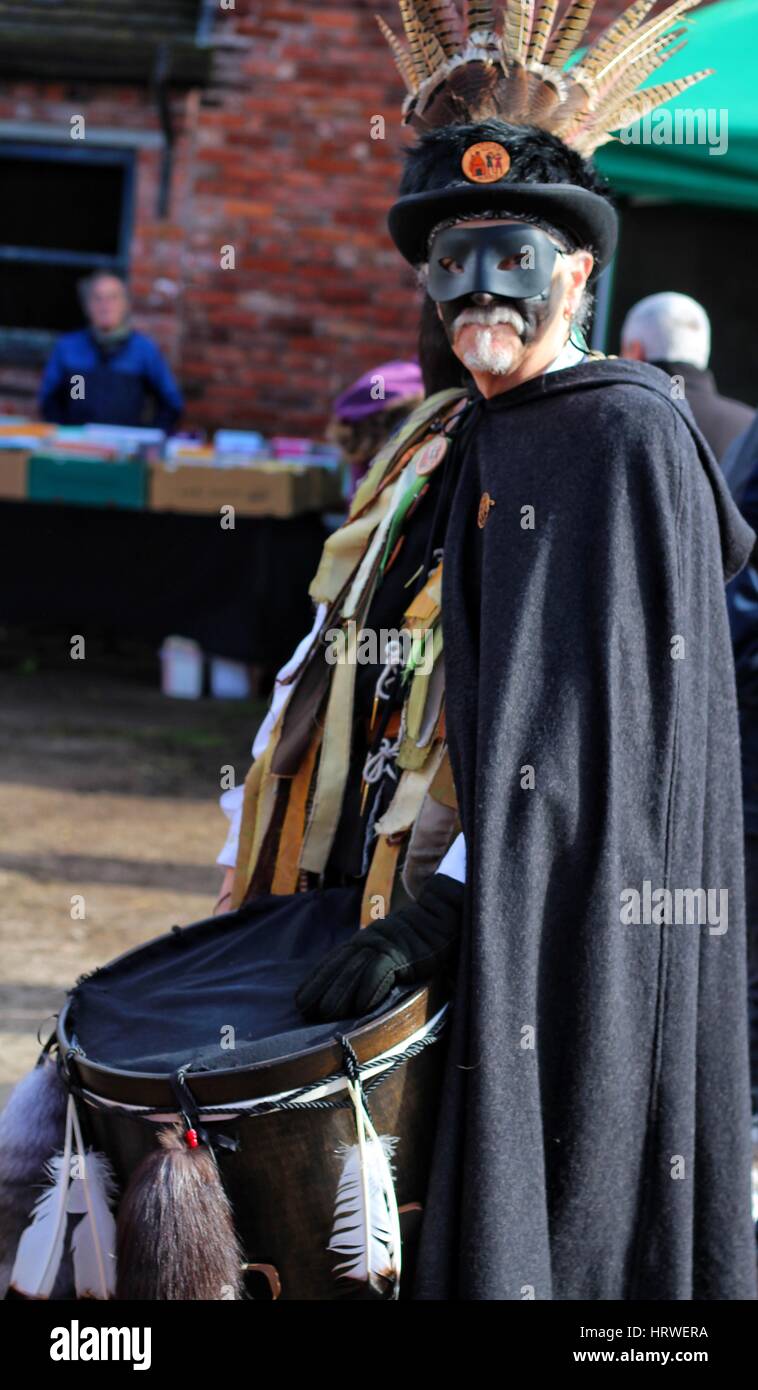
(366,1230)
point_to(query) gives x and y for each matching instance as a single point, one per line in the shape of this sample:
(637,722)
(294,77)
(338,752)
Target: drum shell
(282,1179)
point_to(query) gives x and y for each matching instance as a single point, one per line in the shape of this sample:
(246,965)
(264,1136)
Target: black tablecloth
(241,594)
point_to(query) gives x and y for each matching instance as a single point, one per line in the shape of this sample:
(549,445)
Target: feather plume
(93,1242)
(615,36)
(470,86)
(544,97)
(40,1249)
(434,55)
(543,23)
(480,14)
(658,52)
(626,52)
(517,27)
(568,35)
(413,30)
(635,107)
(400,54)
(625,84)
(571,112)
(447,25)
(366,1231)
(666,18)
(514,101)
(520,75)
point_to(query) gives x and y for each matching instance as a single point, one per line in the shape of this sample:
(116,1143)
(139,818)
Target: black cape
(594,1138)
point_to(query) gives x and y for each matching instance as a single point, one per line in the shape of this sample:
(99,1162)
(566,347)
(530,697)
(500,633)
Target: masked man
(593,1140)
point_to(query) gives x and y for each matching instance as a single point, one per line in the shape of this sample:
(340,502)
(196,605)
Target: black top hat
(492,166)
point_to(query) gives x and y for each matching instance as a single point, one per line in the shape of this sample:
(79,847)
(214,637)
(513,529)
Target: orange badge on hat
(486,162)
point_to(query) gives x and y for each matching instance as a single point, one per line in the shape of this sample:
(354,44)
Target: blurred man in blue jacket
(108,374)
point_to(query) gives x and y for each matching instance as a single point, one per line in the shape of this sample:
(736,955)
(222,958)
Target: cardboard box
(88,482)
(273,490)
(14,468)
(31,429)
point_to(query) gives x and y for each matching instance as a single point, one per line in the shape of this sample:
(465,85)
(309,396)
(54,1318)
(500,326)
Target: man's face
(496,333)
(107,304)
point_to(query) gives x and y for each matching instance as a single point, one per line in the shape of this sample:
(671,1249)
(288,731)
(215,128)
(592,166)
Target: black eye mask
(515,261)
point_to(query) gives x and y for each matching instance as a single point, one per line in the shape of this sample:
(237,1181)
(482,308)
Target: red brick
(274,157)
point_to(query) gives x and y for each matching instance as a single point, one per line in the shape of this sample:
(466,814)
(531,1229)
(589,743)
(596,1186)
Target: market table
(241,593)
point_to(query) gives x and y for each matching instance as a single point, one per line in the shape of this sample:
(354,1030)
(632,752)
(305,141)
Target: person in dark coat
(740,464)
(742,597)
(673,332)
(594,1134)
(108,373)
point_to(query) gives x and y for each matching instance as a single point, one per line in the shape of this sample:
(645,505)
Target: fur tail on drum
(176,1237)
(32,1129)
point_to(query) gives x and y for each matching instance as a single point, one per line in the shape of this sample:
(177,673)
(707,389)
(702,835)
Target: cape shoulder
(609,418)
(629,418)
(621,385)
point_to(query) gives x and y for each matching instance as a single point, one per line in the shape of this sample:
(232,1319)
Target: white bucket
(229,679)
(182,668)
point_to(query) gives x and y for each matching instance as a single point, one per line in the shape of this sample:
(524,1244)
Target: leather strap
(287,872)
(381,877)
(345,547)
(333,769)
(247,832)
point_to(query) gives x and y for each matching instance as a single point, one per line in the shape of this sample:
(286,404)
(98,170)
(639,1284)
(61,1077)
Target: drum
(199,1029)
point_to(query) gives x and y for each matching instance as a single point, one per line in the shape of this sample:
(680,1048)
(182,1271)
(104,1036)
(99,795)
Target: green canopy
(723,36)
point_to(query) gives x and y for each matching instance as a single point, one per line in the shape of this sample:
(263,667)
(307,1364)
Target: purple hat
(379,388)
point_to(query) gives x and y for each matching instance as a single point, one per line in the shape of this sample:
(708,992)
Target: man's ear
(580,268)
(633,349)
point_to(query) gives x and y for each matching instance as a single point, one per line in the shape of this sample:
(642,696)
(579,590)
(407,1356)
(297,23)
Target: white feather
(93,1242)
(40,1248)
(366,1230)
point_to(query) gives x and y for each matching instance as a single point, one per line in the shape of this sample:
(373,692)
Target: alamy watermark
(366,646)
(699,126)
(675,907)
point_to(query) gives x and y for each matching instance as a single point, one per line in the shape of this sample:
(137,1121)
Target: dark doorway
(66,212)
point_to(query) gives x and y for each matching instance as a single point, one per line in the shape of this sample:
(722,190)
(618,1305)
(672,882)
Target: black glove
(405,948)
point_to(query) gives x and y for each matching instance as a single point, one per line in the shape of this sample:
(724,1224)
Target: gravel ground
(108,791)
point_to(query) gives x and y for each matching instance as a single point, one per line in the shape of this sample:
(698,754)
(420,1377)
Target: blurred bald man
(673,332)
(108,373)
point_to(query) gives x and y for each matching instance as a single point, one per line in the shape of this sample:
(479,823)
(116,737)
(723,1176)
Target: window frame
(19,343)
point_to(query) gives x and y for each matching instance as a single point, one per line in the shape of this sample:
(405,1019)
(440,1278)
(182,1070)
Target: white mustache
(493,314)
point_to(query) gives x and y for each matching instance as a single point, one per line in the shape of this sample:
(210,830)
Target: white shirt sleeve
(231,801)
(231,805)
(454,862)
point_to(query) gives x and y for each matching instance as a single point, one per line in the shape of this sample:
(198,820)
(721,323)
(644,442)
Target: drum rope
(373,1074)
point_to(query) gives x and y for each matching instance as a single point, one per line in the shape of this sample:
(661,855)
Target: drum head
(218,994)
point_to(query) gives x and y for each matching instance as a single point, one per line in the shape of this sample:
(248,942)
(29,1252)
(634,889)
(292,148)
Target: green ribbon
(396,525)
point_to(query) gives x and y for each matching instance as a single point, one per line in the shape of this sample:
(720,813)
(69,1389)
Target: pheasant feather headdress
(467,68)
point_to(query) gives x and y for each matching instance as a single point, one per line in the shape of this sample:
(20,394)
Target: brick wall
(275,158)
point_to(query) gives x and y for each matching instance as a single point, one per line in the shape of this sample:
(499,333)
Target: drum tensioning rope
(292,1100)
